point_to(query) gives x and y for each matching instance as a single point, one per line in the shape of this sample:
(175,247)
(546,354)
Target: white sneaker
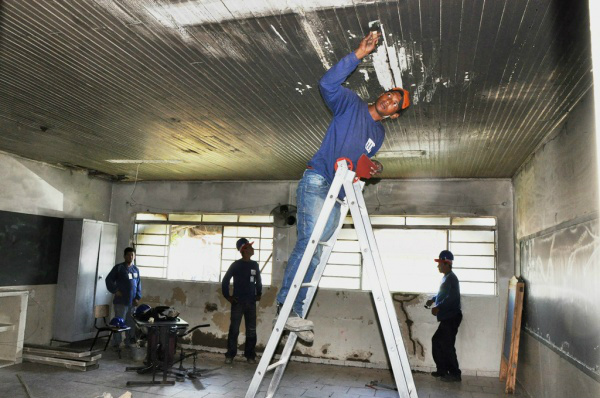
(306,335)
(297,324)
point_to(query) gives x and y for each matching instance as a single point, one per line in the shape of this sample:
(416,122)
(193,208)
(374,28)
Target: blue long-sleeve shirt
(448,297)
(247,283)
(352,132)
(126,280)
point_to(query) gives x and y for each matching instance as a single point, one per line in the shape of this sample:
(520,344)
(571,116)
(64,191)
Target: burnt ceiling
(228,89)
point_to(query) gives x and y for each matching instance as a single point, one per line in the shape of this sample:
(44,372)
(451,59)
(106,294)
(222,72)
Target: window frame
(448,228)
(170,223)
(348,224)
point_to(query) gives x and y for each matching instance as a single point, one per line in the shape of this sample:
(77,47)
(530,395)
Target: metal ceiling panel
(228,90)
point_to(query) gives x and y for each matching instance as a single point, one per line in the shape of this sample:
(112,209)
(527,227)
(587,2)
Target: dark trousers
(442,344)
(246,309)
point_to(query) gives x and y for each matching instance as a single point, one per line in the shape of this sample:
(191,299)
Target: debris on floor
(376,385)
(27,390)
(109,395)
(60,356)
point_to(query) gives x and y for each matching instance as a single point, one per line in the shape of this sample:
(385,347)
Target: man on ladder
(355,130)
(354,135)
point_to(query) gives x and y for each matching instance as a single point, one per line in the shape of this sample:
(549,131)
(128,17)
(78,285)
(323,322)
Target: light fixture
(146,161)
(404,153)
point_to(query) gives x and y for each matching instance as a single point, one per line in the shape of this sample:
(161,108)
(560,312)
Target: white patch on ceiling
(371,23)
(389,62)
(389,65)
(301,90)
(310,24)
(365,73)
(278,34)
(210,11)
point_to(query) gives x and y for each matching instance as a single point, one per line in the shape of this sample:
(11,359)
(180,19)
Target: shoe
(449,378)
(297,324)
(307,336)
(437,374)
(251,361)
(228,360)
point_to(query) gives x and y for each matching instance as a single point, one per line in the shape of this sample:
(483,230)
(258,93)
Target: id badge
(130,276)
(135,275)
(253,272)
(252,279)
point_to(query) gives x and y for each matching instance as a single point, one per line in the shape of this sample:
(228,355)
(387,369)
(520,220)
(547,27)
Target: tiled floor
(219,380)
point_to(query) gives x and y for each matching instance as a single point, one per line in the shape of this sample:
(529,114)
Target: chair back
(101,311)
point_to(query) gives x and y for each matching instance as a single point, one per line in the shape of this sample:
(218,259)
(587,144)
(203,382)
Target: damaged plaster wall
(557,187)
(342,318)
(37,188)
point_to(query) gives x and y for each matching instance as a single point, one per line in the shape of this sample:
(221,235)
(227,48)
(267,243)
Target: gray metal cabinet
(87,256)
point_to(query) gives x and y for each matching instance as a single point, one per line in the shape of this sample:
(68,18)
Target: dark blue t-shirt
(448,297)
(352,131)
(246,280)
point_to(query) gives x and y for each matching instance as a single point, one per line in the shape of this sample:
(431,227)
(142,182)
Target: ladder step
(325,244)
(310,284)
(276,364)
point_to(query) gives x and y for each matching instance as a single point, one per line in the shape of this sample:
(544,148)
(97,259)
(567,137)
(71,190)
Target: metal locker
(87,255)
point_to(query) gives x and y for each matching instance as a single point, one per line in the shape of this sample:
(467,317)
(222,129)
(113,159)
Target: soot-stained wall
(343,318)
(43,190)
(556,216)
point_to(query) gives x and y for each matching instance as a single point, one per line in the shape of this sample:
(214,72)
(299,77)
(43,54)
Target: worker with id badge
(247,290)
(124,282)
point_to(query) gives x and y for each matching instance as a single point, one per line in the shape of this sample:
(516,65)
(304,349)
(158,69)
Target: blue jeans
(125,312)
(310,196)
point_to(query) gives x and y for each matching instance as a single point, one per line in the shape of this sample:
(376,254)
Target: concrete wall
(37,188)
(345,320)
(555,188)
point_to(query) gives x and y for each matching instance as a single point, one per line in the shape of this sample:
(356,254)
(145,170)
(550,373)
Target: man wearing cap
(247,290)
(449,315)
(355,130)
(124,282)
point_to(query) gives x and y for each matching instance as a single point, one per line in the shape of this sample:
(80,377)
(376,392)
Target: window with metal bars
(407,247)
(202,246)
(199,247)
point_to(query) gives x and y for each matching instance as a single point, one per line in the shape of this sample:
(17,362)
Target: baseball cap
(242,242)
(445,255)
(405,97)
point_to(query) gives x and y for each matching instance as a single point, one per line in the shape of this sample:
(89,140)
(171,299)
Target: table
(161,349)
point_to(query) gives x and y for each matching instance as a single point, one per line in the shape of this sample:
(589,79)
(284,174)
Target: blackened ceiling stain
(231,88)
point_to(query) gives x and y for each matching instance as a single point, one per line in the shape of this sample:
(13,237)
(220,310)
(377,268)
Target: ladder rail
(380,290)
(384,305)
(284,359)
(324,259)
(289,345)
(314,240)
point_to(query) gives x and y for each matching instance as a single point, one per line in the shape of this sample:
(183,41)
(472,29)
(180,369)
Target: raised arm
(331,83)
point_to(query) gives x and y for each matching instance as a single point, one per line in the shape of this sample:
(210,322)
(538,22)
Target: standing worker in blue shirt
(355,130)
(124,282)
(449,315)
(247,290)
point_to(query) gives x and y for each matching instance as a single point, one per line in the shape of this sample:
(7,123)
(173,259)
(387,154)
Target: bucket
(138,354)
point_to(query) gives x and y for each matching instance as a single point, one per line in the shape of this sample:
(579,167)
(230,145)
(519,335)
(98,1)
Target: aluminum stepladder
(386,312)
